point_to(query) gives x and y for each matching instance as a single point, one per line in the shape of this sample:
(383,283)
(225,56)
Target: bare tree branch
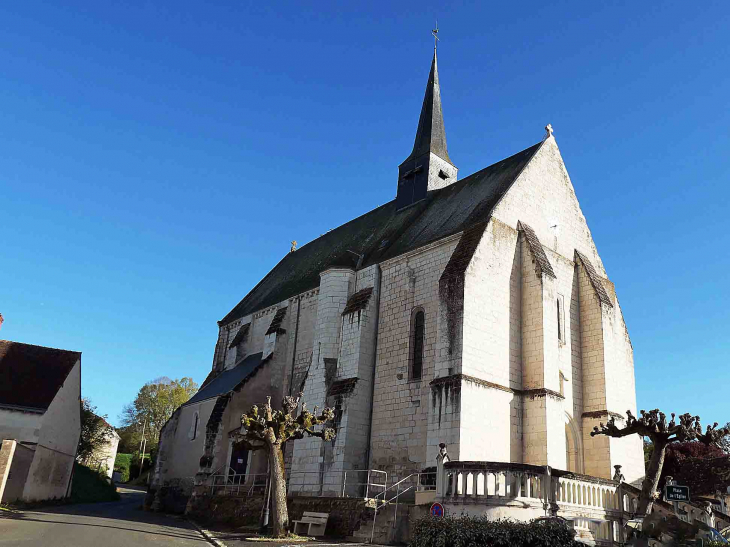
(653,424)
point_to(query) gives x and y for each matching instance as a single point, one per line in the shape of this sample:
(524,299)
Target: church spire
(429,166)
(431,135)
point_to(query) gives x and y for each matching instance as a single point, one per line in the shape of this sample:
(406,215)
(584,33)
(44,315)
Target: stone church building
(472,311)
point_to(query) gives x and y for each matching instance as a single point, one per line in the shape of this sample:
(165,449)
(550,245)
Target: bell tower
(429,166)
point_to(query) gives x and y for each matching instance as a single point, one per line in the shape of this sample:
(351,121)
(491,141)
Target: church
(471,313)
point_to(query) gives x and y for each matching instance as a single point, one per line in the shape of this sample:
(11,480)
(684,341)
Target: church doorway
(239,459)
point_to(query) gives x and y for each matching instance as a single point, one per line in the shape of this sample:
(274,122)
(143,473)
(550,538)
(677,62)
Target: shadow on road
(192,534)
(128,509)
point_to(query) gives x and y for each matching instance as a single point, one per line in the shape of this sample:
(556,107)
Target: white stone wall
(301,341)
(182,459)
(310,457)
(402,406)
(436,164)
(356,360)
(19,425)
(105,455)
(544,198)
(58,439)
(488,431)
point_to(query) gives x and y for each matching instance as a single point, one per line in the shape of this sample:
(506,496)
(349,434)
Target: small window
(417,352)
(561,319)
(194,427)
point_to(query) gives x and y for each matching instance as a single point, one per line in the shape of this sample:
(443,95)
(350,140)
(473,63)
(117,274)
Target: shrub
(90,486)
(122,464)
(468,531)
(134,466)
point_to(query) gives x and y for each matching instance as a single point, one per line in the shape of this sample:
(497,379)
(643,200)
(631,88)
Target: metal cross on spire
(435,33)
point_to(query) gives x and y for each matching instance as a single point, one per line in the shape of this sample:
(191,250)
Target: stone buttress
(340,377)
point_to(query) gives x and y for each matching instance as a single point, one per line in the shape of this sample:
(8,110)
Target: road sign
(437,510)
(676,493)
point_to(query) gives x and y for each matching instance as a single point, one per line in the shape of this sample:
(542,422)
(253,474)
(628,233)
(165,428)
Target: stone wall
(22,460)
(172,497)
(346,515)
(7,451)
(401,404)
(20,425)
(238,511)
(543,197)
(314,468)
(58,439)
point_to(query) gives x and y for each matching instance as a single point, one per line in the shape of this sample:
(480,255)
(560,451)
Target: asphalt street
(115,524)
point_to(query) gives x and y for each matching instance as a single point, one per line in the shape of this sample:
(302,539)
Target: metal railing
(413,482)
(238,484)
(367,488)
(361,483)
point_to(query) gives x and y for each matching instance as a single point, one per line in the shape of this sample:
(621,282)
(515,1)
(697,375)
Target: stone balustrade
(596,507)
(479,481)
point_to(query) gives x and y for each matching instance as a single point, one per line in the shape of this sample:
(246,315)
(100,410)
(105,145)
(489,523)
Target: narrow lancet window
(417,357)
(194,427)
(561,319)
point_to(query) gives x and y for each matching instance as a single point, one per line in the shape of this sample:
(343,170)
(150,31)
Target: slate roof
(275,327)
(229,380)
(595,279)
(431,135)
(358,301)
(542,264)
(385,233)
(240,335)
(342,387)
(462,255)
(30,376)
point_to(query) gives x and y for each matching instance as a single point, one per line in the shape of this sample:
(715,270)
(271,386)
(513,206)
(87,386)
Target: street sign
(437,510)
(672,492)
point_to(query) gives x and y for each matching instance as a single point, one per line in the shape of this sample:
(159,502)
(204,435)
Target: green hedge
(122,464)
(89,486)
(468,531)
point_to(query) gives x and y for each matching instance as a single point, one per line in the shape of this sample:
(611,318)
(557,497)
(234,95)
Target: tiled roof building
(40,420)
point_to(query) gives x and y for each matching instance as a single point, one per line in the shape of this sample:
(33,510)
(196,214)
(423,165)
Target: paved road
(116,524)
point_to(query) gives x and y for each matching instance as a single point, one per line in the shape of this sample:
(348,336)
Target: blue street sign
(437,510)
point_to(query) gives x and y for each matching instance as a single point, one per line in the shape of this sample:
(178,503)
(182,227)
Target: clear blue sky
(157,158)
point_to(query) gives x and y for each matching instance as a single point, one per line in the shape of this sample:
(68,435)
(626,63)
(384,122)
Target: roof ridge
(38,346)
(384,233)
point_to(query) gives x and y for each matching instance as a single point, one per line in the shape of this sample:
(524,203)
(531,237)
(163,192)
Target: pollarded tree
(269,429)
(654,425)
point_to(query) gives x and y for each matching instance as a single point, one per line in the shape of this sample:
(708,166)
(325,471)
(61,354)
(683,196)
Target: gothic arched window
(419,325)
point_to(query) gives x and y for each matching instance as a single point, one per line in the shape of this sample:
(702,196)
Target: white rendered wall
(58,439)
(19,425)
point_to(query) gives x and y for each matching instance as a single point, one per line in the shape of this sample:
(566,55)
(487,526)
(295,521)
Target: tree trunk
(280,514)
(651,481)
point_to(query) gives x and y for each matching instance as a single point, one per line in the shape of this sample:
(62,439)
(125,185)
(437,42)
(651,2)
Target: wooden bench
(311,523)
